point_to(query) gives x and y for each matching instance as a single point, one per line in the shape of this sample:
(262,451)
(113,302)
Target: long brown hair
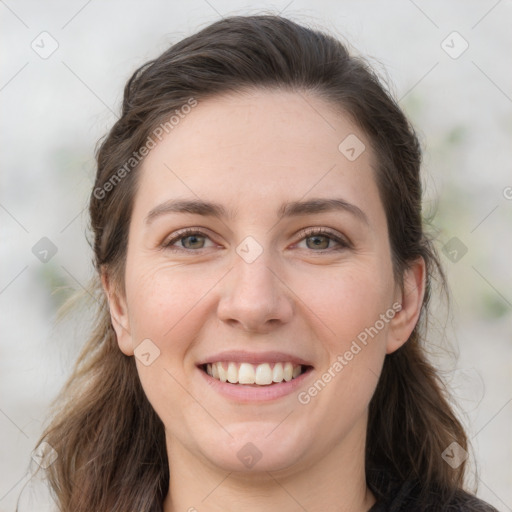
(110,442)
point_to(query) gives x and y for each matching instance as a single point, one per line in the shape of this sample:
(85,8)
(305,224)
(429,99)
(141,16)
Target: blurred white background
(55,107)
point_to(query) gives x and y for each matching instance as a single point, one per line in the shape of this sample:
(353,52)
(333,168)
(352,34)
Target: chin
(256,448)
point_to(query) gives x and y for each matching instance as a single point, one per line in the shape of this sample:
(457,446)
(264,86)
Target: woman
(265,280)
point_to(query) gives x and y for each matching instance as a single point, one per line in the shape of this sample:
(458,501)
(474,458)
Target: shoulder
(412,497)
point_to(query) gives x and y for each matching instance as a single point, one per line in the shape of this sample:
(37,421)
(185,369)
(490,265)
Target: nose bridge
(253,296)
(255,280)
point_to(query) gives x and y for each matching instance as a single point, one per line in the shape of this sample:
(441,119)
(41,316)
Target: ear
(410,296)
(118,315)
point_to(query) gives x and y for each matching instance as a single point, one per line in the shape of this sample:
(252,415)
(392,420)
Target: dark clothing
(407,497)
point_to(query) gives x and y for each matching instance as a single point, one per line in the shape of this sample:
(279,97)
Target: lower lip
(248,393)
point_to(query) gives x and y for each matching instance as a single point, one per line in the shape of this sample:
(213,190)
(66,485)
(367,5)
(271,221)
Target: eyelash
(305,233)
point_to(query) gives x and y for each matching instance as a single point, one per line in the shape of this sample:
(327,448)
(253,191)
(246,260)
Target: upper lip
(242,356)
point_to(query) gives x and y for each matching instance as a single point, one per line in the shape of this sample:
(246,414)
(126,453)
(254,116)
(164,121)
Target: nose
(255,297)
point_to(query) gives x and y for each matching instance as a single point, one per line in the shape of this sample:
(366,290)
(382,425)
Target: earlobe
(119,315)
(411,298)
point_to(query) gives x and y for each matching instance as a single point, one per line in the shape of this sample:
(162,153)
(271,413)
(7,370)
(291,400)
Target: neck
(336,481)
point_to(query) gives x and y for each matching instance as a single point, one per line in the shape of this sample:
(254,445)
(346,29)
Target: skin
(251,152)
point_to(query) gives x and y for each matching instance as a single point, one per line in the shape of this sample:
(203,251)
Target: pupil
(317,240)
(193,237)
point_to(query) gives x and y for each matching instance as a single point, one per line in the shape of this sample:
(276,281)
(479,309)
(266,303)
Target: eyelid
(341,240)
(183,233)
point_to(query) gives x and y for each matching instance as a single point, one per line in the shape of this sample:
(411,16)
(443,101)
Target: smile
(263,374)
(242,391)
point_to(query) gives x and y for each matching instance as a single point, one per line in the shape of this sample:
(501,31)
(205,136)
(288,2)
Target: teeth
(277,373)
(232,373)
(263,374)
(246,373)
(288,371)
(223,376)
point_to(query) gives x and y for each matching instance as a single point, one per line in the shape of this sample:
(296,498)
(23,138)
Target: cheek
(347,299)
(355,344)
(354,305)
(164,306)
(161,299)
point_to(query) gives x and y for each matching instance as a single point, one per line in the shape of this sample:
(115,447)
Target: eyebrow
(289,209)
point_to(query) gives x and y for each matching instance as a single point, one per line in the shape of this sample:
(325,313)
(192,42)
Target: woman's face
(292,264)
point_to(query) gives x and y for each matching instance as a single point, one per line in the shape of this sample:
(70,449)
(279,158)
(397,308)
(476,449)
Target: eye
(190,239)
(321,239)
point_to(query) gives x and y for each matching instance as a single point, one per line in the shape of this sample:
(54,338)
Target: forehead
(260,148)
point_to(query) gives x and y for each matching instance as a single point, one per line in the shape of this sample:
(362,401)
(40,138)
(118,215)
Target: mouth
(254,375)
